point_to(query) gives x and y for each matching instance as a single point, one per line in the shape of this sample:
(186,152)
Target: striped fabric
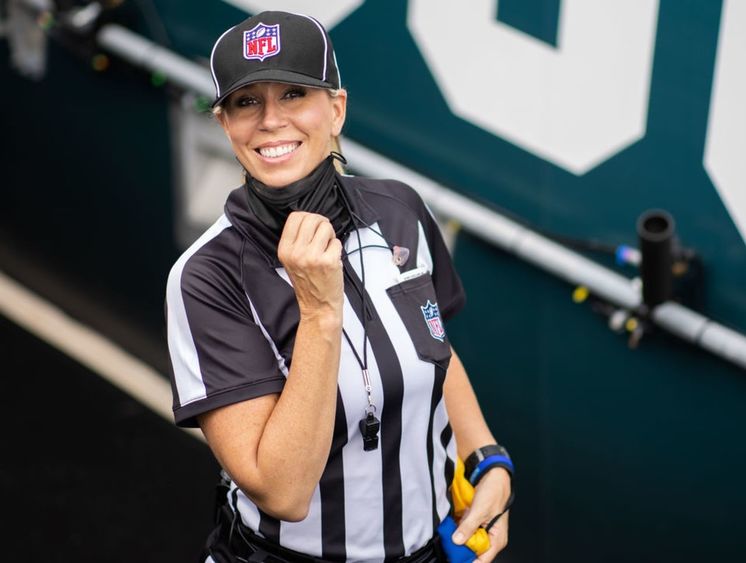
(232,316)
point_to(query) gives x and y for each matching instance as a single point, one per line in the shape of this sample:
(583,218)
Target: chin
(279,178)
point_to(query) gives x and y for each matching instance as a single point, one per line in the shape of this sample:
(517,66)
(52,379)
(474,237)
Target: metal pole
(146,54)
(554,258)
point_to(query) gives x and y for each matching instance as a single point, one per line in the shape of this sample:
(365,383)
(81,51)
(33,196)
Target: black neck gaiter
(319,192)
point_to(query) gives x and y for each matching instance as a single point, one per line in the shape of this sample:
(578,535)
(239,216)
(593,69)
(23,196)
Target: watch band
(483,459)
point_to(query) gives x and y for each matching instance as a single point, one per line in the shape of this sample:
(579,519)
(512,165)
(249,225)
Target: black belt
(245,545)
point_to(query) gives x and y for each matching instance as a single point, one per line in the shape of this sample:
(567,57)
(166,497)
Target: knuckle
(332,263)
(294,257)
(303,261)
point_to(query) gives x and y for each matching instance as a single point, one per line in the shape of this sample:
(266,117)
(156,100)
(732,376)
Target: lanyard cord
(362,362)
(369,425)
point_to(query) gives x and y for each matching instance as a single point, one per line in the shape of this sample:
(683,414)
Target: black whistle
(369,427)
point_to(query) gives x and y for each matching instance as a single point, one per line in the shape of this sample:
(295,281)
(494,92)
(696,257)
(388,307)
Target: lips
(276,151)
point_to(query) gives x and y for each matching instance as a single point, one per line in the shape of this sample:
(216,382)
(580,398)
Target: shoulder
(213,258)
(387,194)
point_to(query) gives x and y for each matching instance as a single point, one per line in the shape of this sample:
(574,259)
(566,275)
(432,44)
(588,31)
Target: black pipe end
(655,230)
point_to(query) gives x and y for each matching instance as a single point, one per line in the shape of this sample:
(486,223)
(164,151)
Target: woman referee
(306,334)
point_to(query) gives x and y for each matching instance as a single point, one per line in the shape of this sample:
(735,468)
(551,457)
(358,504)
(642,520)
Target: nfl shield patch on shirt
(432,317)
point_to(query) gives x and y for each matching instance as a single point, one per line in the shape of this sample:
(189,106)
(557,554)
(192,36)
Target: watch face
(482,453)
(487,451)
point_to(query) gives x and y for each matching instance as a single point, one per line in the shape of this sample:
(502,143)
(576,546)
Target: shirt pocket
(417,305)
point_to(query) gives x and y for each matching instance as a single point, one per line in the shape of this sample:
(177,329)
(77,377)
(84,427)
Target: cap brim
(273,75)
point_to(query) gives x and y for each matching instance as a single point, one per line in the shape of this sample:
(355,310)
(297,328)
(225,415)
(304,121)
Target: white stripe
(187,373)
(87,347)
(423,250)
(247,509)
(439,459)
(212,55)
(323,35)
(363,494)
(418,378)
(336,64)
(305,536)
(278,356)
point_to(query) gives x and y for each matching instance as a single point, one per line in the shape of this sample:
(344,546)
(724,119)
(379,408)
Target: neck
(319,192)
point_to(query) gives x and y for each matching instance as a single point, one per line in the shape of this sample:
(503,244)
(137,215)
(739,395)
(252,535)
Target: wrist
(497,477)
(327,320)
(485,459)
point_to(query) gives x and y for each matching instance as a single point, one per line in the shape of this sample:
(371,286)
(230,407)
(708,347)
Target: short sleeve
(219,355)
(448,287)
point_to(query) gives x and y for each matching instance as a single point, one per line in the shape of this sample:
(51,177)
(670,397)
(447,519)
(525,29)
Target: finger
(289,232)
(480,512)
(334,251)
(307,229)
(488,526)
(489,555)
(468,525)
(322,236)
(498,540)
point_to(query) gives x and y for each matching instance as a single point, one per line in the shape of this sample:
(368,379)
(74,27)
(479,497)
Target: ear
(222,119)
(339,111)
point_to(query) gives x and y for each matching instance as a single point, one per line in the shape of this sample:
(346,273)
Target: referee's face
(281,132)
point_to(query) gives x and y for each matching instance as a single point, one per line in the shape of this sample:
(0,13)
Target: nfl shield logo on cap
(261,42)
(432,317)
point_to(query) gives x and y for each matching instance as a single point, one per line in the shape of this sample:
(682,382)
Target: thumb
(466,528)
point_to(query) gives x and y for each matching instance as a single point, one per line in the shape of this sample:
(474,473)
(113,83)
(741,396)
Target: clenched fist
(312,256)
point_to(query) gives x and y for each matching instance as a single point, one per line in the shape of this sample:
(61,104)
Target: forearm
(286,455)
(471,431)
(275,447)
(467,420)
(294,446)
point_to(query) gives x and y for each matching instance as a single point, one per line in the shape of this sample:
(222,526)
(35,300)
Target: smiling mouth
(278,151)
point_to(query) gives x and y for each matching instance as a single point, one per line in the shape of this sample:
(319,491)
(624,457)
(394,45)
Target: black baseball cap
(273,47)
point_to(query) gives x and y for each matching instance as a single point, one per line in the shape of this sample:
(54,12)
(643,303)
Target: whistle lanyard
(369,424)
(363,369)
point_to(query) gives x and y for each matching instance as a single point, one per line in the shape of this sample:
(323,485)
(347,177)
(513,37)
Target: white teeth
(274,152)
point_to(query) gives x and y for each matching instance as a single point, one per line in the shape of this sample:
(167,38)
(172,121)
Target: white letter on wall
(725,147)
(575,105)
(328,12)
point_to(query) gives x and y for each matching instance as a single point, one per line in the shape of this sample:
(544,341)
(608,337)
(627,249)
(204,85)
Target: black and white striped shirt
(232,317)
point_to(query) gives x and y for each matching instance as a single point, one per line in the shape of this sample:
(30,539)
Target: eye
(294,92)
(244,100)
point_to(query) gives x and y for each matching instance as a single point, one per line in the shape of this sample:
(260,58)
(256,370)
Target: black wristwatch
(483,459)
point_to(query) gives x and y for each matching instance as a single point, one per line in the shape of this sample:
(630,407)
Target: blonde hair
(336,144)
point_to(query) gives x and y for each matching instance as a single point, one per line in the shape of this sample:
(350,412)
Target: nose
(273,116)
